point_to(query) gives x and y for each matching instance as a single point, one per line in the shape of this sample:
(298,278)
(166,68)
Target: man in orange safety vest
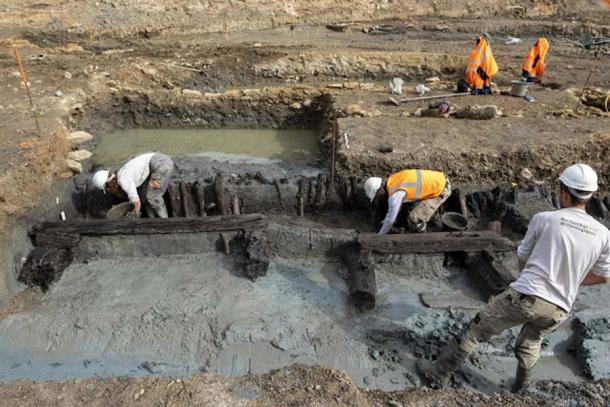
(425,189)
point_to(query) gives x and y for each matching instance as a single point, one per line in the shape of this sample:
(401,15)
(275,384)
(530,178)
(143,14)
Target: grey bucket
(519,88)
(119,211)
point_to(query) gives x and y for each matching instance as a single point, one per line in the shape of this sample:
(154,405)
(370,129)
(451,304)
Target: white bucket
(519,88)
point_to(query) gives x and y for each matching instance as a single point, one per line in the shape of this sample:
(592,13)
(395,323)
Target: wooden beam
(362,286)
(99,227)
(490,270)
(437,242)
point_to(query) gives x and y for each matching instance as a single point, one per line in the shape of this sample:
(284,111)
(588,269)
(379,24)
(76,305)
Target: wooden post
(362,284)
(334,148)
(199,190)
(221,199)
(175,200)
(235,205)
(24,78)
(186,190)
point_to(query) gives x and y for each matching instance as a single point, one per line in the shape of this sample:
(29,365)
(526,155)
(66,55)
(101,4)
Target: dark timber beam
(437,242)
(150,225)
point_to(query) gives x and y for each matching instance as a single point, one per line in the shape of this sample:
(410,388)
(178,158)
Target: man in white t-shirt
(562,250)
(148,172)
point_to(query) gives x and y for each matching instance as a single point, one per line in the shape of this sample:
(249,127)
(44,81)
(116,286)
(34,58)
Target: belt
(531,299)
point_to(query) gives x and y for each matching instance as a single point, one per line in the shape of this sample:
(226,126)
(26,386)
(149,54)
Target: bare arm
(522,264)
(594,279)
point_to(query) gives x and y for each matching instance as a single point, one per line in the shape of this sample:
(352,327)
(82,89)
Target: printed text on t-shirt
(581,227)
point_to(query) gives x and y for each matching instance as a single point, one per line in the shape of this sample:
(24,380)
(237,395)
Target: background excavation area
(184,314)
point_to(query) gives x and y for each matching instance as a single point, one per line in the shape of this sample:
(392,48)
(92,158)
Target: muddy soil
(108,65)
(293,386)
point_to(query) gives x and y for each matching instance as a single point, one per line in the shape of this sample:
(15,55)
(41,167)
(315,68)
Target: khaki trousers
(511,308)
(422,211)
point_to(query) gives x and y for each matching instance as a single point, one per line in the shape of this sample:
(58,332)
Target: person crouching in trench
(148,174)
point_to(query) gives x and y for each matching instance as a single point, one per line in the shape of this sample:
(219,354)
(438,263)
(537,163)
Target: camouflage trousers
(161,170)
(511,308)
(422,211)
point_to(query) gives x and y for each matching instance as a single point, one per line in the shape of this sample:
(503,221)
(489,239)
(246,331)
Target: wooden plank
(99,227)
(436,242)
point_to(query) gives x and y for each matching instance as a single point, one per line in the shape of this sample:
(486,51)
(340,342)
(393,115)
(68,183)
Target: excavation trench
(265,263)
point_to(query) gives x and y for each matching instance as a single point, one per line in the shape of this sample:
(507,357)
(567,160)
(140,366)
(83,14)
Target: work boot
(437,373)
(523,379)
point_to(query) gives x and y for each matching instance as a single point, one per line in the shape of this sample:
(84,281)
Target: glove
(132,215)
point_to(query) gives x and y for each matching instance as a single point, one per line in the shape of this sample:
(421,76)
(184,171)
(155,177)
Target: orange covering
(535,66)
(417,184)
(480,57)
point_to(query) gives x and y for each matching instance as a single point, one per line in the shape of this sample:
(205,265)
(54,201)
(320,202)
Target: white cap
(371,186)
(580,179)
(100,178)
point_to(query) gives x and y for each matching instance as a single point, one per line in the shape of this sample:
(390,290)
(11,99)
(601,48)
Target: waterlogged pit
(274,144)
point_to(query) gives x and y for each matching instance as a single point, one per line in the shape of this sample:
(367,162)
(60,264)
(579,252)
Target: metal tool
(398,102)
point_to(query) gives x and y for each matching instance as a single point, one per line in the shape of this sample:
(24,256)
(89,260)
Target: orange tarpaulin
(481,59)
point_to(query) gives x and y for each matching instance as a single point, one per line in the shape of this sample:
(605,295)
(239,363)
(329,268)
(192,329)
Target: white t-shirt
(560,248)
(133,174)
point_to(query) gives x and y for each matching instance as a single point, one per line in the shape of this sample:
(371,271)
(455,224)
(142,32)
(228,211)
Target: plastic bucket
(519,88)
(454,221)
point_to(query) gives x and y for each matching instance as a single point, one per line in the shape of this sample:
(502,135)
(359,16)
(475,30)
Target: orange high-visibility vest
(417,184)
(480,56)
(535,66)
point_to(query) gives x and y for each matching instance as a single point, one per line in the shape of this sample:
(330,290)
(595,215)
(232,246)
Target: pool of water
(294,144)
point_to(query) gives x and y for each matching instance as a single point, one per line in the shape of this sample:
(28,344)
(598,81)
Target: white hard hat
(487,36)
(100,178)
(580,178)
(371,186)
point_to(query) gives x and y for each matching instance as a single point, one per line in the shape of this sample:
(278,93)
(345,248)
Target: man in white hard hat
(425,189)
(148,172)
(562,250)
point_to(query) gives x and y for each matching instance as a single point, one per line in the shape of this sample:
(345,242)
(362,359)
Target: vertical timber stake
(24,79)
(334,148)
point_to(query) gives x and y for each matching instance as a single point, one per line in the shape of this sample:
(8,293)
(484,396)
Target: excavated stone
(75,166)
(79,137)
(79,155)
